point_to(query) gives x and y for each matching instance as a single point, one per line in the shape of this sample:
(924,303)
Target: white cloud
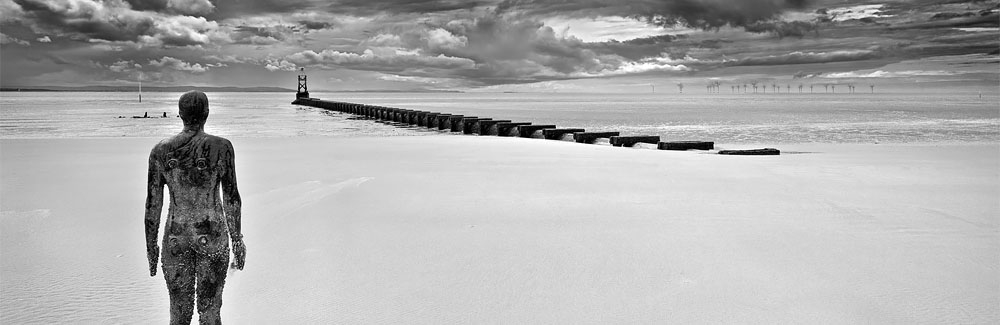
(424,80)
(123,66)
(888,74)
(179,65)
(44,39)
(191,7)
(661,64)
(186,30)
(385,40)
(371,60)
(442,39)
(279,65)
(10,11)
(856,12)
(116,21)
(4,39)
(604,29)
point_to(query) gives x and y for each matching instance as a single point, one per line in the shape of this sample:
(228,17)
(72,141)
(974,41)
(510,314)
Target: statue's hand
(239,254)
(153,254)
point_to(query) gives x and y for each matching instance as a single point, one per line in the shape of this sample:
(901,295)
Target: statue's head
(193,107)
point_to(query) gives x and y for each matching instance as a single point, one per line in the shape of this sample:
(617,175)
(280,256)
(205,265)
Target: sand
(464,229)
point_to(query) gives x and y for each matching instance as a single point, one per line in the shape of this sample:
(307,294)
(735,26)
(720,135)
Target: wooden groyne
(505,128)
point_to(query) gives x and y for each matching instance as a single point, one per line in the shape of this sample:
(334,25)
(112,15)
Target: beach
(467,229)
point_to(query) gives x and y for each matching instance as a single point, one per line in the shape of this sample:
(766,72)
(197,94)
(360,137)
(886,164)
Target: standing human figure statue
(194,165)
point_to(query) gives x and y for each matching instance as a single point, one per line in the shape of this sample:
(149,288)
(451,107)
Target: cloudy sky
(497,45)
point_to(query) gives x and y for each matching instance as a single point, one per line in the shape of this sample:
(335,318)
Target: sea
(723,118)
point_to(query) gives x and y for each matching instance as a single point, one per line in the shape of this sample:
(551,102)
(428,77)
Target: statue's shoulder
(214,140)
(164,145)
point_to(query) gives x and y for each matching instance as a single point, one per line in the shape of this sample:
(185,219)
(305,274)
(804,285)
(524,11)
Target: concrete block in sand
(469,122)
(589,137)
(431,122)
(556,134)
(508,129)
(687,145)
(752,152)
(455,123)
(442,121)
(422,118)
(528,131)
(628,141)
(411,117)
(485,127)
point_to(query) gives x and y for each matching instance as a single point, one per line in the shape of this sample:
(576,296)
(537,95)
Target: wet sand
(456,229)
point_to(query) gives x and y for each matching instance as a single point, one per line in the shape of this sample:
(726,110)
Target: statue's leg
(213,262)
(179,269)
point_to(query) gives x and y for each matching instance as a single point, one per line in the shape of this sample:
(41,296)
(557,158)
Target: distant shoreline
(144,89)
(204,89)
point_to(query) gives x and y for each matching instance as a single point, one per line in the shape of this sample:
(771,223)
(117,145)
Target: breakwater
(487,126)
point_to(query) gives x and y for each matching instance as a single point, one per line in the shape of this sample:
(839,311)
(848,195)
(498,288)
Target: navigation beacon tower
(303,92)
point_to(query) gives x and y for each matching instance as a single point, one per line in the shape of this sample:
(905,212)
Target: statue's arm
(154,204)
(232,206)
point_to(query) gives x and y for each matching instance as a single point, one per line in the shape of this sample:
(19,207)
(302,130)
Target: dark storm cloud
(368,7)
(710,14)
(188,7)
(784,29)
(239,8)
(150,5)
(117,22)
(88,19)
(990,19)
(259,35)
(500,43)
(315,25)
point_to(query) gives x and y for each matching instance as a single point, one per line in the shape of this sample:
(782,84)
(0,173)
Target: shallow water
(724,118)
